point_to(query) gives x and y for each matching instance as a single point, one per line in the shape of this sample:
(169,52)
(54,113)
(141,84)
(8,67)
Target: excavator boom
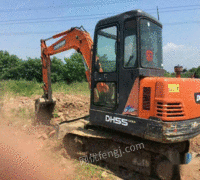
(75,38)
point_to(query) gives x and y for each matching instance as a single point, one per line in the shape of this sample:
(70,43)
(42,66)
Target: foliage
(57,70)
(13,68)
(189,73)
(74,68)
(198,72)
(167,74)
(8,62)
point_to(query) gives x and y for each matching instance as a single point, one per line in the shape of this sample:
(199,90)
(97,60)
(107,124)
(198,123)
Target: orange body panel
(171,99)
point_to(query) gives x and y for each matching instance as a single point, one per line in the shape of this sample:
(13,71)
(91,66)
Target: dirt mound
(23,108)
(70,106)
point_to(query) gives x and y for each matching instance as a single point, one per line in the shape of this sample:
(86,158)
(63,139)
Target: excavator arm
(75,38)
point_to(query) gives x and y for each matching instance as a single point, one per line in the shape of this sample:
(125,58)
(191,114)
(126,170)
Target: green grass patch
(90,171)
(74,88)
(31,88)
(22,87)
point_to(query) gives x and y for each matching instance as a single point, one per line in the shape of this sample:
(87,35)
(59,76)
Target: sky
(24,22)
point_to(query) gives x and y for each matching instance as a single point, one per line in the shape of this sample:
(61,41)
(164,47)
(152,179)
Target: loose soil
(33,152)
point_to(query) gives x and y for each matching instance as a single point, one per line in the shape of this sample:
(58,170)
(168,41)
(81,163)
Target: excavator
(140,121)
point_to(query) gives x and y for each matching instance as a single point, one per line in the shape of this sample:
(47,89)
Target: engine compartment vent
(169,109)
(146,98)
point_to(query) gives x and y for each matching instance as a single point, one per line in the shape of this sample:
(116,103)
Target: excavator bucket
(44,111)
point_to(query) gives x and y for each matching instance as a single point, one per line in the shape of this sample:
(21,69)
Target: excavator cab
(139,100)
(129,48)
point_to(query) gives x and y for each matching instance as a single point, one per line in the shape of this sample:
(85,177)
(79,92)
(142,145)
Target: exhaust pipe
(178,69)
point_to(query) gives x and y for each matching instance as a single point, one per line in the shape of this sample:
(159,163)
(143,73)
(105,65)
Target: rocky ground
(37,146)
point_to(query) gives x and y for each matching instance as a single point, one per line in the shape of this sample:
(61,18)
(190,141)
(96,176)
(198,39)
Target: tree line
(14,68)
(193,72)
(70,70)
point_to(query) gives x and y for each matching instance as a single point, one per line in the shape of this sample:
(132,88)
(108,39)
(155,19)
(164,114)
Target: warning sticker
(173,87)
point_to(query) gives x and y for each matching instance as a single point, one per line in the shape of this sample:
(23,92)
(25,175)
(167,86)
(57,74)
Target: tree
(8,62)
(167,74)
(184,70)
(57,70)
(197,72)
(74,68)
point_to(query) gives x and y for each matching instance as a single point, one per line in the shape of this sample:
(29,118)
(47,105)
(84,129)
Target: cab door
(105,70)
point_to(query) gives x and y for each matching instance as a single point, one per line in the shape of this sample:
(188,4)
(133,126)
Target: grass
(21,88)
(31,88)
(90,172)
(81,88)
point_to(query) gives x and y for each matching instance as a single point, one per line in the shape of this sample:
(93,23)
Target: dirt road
(21,158)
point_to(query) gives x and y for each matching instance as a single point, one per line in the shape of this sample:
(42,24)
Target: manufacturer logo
(129,109)
(116,120)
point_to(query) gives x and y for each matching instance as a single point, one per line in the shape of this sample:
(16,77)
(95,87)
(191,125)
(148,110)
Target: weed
(55,115)
(90,171)
(31,88)
(21,87)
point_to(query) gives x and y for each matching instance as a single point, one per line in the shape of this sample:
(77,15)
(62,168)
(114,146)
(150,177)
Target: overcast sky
(24,22)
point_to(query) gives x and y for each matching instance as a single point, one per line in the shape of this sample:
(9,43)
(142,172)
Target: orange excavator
(132,105)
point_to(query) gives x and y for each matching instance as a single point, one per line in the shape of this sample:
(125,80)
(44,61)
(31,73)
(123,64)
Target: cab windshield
(151,44)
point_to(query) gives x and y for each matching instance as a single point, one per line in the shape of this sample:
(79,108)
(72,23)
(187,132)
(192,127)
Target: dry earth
(27,151)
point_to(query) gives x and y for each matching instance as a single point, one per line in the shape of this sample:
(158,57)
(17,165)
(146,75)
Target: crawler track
(128,157)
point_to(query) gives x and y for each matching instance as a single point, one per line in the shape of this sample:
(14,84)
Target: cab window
(106,49)
(130,46)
